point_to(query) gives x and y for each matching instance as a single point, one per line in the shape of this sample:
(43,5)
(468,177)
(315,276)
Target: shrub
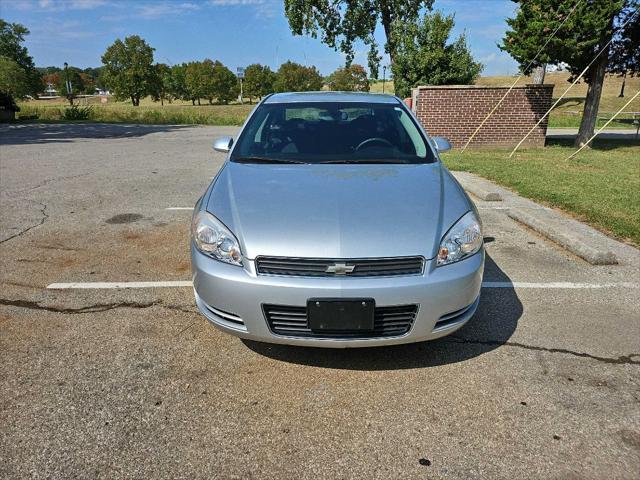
(75,112)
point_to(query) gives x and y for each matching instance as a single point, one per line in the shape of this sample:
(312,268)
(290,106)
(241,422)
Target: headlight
(212,238)
(462,240)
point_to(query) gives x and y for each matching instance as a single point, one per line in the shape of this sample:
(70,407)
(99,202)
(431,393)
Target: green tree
(178,86)
(625,51)
(426,56)
(293,77)
(225,85)
(258,81)
(14,81)
(341,23)
(95,74)
(74,75)
(197,78)
(128,68)
(161,85)
(584,35)
(12,37)
(48,70)
(88,84)
(349,79)
(209,82)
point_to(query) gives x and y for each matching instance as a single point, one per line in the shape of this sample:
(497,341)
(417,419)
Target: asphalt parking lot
(544,382)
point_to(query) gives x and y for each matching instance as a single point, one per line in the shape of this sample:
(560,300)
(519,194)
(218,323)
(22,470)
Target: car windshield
(332,132)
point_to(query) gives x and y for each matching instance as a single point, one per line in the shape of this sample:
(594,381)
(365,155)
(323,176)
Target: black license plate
(327,314)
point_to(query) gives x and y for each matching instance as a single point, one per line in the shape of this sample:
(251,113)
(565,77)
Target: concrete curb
(478,187)
(576,237)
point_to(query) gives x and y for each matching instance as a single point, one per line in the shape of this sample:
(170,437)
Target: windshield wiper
(258,159)
(365,161)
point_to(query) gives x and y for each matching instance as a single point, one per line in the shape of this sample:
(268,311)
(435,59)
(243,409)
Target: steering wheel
(368,141)
(276,140)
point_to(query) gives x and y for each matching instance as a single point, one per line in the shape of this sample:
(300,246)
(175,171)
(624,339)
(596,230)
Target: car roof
(299,97)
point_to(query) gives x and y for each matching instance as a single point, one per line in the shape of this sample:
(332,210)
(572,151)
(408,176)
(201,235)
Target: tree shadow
(492,325)
(570,101)
(41,133)
(611,142)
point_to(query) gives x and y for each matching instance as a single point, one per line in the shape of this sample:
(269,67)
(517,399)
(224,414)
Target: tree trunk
(161,101)
(624,80)
(538,73)
(387,20)
(592,102)
(193,102)
(198,102)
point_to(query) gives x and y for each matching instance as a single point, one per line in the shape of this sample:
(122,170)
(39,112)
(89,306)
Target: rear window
(317,132)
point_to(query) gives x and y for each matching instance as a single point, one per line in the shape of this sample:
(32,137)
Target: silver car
(333,223)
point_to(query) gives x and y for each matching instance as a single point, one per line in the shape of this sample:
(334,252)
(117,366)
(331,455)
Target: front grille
(292,321)
(317,267)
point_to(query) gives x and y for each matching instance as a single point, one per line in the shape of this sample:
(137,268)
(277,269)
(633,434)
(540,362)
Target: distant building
(99,91)
(50,90)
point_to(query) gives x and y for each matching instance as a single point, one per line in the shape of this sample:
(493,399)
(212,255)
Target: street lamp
(240,75)
(384,76)
(68,83)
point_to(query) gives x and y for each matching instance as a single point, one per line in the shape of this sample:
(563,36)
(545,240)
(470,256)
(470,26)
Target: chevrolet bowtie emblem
(340,268)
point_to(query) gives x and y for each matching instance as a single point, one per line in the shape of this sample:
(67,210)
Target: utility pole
(68,83)
(240,74)
(384,76)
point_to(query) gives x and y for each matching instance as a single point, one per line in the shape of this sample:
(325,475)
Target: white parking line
(188,283)
(179,208)
(558,285)
(102,285)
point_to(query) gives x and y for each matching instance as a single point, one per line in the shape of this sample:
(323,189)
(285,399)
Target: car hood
(337,210)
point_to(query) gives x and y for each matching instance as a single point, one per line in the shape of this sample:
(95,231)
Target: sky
(236,32)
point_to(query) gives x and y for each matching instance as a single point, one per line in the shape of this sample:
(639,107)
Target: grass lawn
(600,185)
(149,112)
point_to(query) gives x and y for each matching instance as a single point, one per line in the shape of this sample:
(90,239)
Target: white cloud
(85,4)
(155,10)
(58,5)
(262,8)
(63,30)
(499,63)
(229,3)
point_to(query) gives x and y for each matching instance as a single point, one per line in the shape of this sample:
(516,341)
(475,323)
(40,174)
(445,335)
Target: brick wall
(456,111)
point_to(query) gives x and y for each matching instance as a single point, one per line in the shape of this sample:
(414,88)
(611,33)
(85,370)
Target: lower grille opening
(452,317)
(226,316)
(292,321)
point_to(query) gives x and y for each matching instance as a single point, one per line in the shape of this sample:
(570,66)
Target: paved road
(542,383)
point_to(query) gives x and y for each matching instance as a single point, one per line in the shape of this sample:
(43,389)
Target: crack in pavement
(621,360)
(631,359)
(22,191)
(96,308)
(44,218)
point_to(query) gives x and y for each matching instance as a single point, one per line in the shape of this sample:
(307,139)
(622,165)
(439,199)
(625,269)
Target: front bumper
(231,298)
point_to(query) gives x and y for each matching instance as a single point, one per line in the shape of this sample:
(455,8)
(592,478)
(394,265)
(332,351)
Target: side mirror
(441,144)
(223,144)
